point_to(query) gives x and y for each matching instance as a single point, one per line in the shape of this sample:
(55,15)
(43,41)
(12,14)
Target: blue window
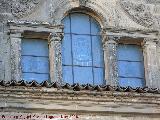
(82,54)
(35,62)
(130,65)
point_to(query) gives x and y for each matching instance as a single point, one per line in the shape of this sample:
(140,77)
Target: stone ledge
(53,99)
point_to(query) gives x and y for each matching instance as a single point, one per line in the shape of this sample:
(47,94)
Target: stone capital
(149,42)
(110,39)
(56,37)
(16,35)
(114,38)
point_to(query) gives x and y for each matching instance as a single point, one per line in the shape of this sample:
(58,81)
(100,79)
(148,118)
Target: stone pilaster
(2,52)
(110,59)
(55,56)
(151,63)
(15,45)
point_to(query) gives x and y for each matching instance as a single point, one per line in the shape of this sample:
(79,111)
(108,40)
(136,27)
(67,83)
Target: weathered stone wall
(136,19)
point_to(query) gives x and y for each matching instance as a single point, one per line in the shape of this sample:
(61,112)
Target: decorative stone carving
(139,12)
(5,10)
(83,2)
(5,17)
(22,7)
(18,7)
(5,6)
(152,1)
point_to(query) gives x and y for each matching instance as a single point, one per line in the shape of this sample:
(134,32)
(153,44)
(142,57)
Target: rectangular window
(130,65)
(35,60)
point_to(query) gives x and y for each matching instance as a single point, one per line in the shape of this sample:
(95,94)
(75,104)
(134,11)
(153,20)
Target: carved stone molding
(60,8)
(139,12)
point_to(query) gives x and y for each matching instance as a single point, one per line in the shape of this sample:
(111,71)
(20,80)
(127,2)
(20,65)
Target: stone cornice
(53,99)
(33,23)
(131,32)
(33,26)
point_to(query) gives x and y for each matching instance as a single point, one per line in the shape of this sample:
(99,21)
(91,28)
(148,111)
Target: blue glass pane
(32,76)
(32,65)
(131,69)
(83,75)
(97,51)
(130,52)
(67,74)
(133,72)
(98,76)
(66,22)
(133,82)
(35,47)
(35,64)
(82,50)
(66,50)
(80,24)
(95,27)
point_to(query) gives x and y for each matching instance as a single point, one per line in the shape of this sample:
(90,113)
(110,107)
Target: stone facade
(136,21)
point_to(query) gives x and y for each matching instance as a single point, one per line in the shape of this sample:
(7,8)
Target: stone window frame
(52,33)
(148,41)
(112,44)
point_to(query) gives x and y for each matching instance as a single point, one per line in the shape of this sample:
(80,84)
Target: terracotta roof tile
(78,87)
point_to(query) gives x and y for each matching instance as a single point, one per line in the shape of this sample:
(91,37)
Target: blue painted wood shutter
(35,62)
(82,54)
(130,65)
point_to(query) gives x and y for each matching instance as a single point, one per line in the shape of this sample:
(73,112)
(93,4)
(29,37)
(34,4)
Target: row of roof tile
(78,87)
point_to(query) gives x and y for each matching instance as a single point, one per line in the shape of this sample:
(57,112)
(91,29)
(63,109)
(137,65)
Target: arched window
(82,54)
